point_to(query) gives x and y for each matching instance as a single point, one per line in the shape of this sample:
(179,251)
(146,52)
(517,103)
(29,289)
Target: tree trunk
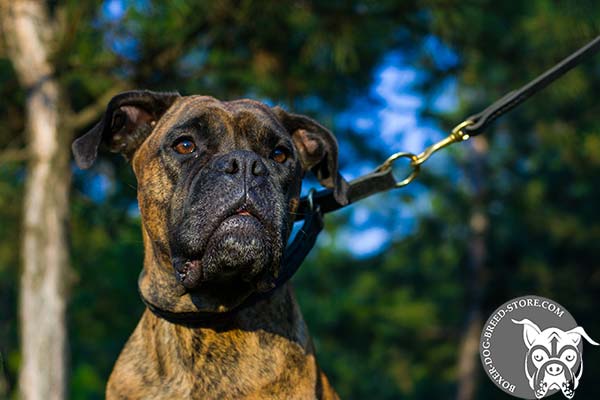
(468,363)
(28,31)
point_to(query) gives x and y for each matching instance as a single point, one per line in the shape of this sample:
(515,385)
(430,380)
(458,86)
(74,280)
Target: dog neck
(278,314)
(272,331)
(259,348)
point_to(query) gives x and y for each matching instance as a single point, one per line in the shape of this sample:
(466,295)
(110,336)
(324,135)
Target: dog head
(218,186)
(553,360)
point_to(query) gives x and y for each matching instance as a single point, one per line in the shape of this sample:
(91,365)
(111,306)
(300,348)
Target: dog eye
(538,355)
(569,355)
(280,154)
(184,146)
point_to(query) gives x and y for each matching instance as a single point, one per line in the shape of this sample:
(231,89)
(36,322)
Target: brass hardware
(457,135)
(387,164)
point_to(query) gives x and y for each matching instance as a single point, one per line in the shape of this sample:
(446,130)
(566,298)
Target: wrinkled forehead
(237,118)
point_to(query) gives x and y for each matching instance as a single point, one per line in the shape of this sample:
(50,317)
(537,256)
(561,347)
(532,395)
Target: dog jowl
(218,187)
(553,361)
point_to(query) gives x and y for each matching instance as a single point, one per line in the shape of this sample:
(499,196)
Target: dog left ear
(318,151)
(129,118)
(530,331)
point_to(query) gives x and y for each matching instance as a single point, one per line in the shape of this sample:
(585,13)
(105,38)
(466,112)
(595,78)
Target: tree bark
(29,31)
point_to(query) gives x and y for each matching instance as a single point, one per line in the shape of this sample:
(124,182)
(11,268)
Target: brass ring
(387,164)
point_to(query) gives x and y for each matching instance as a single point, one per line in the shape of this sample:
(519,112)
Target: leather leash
(512,99)
(474,125)
(382,178)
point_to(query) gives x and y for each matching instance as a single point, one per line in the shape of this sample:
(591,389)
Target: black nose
(242,162)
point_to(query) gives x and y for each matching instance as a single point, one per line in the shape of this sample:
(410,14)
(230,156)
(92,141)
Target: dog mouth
(188,272)
(560,379)
(238,248)
(243,211)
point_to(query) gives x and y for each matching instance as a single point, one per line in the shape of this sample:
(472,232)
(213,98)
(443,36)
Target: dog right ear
(129,118)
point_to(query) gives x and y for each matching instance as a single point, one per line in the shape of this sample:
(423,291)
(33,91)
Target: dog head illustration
(553,360)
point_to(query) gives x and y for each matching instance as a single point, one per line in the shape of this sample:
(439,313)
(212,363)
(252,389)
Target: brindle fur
(261,352)
(264,353)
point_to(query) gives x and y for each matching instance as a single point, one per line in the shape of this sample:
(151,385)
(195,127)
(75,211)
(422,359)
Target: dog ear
(530,331)
(128,120)
(318,151)
(577,333)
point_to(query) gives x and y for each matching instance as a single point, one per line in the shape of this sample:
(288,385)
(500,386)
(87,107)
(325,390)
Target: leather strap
(196,318)
(380,181)
(512,99)
(358,189)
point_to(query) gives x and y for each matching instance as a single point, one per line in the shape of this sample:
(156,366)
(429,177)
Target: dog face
(218,185)
(553,360)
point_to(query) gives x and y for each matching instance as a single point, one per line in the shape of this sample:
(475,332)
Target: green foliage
(390,325)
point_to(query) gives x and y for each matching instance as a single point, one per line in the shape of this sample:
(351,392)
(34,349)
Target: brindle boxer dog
(218,186)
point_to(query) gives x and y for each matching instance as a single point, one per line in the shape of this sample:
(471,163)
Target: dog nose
(554,369)
(243,162)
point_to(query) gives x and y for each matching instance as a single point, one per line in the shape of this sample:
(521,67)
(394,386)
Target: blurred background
(398,286)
